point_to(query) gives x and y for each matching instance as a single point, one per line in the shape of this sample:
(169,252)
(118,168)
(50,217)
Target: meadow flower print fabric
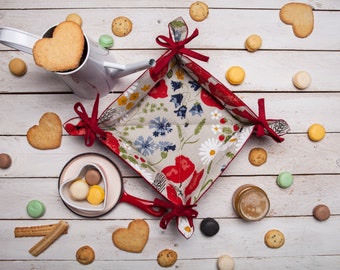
(177,136)
(178,127)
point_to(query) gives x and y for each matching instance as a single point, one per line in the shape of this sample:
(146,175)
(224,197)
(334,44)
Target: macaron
(92,177)
(225,262)
(253,43)
(316,132)
(321,212)
(209,226)
(5,161)
(35,209)
(105,41)
(17,67)
(284,179)
(79,190)
(96,195)
(74,17)
(302,80)
(235,75)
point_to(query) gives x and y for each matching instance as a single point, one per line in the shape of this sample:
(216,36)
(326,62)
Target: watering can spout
(119,70)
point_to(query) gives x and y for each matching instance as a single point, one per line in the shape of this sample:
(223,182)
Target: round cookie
(5,161)
(225,262)
(209,226)
(35,209)
(235,75)
(96,195)
(17,67)
(274,239)
(106,41)
(301,80)
(79,190)
(74,17)
(316,132)
(284,179)
(167,257)
(257,156)
(321,212)
(199,11)
(121,26)
(253,43)
(85,255)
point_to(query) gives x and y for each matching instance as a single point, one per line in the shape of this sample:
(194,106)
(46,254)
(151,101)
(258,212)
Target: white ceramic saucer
(111,174)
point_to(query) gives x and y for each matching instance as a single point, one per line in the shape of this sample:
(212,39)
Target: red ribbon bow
(176,48)
(262,124)
(176,211)
(89,124)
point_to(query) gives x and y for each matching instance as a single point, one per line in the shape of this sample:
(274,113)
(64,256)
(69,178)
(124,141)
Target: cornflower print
(145,146)
(166,146)
(161,126)
(209,149)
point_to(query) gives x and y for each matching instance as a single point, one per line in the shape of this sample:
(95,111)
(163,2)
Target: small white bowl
(83,205)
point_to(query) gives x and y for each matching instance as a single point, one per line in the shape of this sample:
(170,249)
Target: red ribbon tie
(175,211)
(262,124)
(176,48)
(89,124)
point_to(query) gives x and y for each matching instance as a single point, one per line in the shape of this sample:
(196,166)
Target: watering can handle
(17,39)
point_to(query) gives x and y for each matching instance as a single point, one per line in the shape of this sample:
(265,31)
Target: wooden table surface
(310,244)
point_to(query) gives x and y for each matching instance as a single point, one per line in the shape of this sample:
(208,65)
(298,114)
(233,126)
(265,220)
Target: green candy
(106,41)
(35,209)
(284,179)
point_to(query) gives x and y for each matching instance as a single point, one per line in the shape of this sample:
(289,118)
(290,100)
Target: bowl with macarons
(86,191)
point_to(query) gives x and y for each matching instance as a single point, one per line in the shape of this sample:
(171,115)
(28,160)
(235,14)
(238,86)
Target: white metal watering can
(97,70)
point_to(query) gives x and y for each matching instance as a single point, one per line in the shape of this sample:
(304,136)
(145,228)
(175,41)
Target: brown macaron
(92,177)
(5,161)
(321,212)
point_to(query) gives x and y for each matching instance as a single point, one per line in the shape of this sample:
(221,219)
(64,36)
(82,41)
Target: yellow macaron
(235,75)
(316,132)
(96,195)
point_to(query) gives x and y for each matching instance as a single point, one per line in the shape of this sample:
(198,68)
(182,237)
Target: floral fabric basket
(177,126)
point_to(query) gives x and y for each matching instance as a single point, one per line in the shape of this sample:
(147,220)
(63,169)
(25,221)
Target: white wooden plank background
(316,166)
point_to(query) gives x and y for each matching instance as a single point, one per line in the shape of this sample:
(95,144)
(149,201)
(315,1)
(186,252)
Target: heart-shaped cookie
(300,17)
(63,51)
(46,135)
(133,238)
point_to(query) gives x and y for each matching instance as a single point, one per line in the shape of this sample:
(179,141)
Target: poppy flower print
(180,171)
(160,90)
